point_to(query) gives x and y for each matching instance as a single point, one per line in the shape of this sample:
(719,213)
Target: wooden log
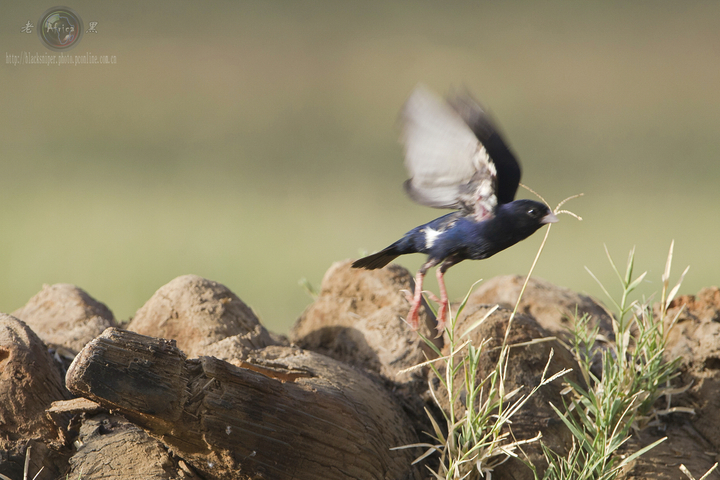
(285,413)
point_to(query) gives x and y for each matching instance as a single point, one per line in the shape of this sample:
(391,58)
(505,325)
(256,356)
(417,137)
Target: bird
(457,159)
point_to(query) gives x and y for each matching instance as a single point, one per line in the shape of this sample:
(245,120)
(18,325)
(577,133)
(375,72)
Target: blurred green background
(254,143)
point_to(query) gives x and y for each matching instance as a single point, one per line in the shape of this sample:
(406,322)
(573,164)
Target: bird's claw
(432,296)
(408,295)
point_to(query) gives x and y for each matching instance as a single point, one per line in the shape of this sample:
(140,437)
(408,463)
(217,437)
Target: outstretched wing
(506,165)
(450,153)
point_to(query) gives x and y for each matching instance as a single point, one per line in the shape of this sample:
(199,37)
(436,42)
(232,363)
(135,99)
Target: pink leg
(413,319)
(442,312)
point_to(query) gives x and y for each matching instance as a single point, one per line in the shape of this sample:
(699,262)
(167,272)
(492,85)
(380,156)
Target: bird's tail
(377,260)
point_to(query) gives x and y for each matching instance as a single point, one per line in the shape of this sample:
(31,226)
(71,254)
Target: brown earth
(221,397)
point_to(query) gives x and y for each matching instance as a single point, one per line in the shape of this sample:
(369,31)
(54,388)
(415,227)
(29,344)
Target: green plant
(602,412)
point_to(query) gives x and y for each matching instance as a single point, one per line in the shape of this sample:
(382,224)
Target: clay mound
(358,318)
(525,367)
(29,382)
(196,313)
(695,339)
(553,307)
(64,315)
(684,445)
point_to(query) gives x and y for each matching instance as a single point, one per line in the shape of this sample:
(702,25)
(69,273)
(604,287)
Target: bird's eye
(531,212)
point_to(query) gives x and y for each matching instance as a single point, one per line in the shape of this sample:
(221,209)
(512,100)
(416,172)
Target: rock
(196,313)
(64,315)
(29,382)
(550,305)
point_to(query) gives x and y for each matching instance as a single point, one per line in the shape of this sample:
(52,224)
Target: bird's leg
(443,311)
(413,319)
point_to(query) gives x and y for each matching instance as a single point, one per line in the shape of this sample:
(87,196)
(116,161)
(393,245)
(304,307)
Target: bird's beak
(549,218)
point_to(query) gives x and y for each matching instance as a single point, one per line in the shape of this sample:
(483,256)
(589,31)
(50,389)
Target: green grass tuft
(603,412)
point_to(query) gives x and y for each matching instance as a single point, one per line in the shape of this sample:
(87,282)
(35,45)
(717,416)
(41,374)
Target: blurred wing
(448,165)
(506,165)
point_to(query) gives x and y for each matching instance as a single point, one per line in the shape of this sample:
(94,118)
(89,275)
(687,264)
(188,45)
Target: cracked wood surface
(285,413)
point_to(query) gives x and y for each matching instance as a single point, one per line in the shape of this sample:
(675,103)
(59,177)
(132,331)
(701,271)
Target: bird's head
(526,216)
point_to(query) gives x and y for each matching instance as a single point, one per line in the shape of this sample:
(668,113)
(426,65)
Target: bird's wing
(449,164)
(506,165)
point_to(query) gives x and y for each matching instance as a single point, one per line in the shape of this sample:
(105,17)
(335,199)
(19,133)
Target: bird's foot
(413,319)
(442,317)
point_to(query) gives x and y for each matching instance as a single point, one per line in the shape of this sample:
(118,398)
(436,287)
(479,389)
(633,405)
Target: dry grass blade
(687,473)
(428,362)
(534,193)
(707,474)
(666,411)
(479,322)
(557,210)
(673,292)
(525,283)
(565,201)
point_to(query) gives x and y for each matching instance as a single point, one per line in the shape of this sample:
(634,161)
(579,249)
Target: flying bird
(457,159)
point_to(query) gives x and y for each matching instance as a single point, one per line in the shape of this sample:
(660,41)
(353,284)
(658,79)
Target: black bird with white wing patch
(457,159)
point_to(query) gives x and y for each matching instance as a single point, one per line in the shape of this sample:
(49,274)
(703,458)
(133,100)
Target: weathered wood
(289,413)
(108,446)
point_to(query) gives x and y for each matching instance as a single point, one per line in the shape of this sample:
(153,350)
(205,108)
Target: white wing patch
(481,159)
(430,237)
(480,195)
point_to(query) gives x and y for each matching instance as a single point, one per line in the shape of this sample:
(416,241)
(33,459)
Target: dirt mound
(358,319)
(551,306)
(196,313)
(695,339)
(331,406)
(30,381)
(64,315)
(138,456)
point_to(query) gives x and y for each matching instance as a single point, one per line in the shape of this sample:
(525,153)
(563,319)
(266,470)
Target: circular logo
(60,28)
